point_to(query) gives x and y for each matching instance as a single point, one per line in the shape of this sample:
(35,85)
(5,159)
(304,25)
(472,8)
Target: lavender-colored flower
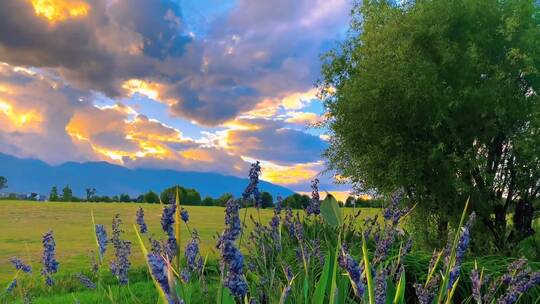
(519,280)
(233,227)
(476,285)
(354,270)
(48,260)
(462,246)
(383,246)
(20,265)
(192,253)
(155,246)
(393,212)
(426,294)
(102,240)
(167,224)
(314,206)
(231,258)
(236,284)
(288,273)
(121,264)
(140,221)
(184,215)
(86,281)
(167,219)
(380,290)
(253,186)
(288,222)
(11,286)
(184,275)
(158,267)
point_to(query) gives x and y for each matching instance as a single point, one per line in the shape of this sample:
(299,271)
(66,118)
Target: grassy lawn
(22,224)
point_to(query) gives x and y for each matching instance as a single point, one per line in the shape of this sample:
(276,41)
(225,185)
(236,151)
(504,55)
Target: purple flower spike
(11,286)
(314,206)
(102,240)
(20,265)
(158,266)
(253,186)
(184,215)
(140,221)
(354,270)
(48,260)
(121,264)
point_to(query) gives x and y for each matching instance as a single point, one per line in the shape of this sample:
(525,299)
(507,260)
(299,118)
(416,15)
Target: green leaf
(333,286)
(399,297)
(367,270)
(318,295)
(331,212)
(227,297)
(306,289)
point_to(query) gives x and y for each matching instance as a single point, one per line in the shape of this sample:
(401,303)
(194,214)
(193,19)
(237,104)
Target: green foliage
(53,196)
(67,194)
(207,201)
(267,201)
(3,182)
(443,105)
(222,200)
(297,201)
(331,212)
(189,197)
(151,197)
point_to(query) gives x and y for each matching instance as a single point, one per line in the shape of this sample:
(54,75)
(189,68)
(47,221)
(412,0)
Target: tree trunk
(523,218)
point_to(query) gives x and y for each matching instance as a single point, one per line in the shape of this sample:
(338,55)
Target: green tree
(223,199)
(151,197)
(350,202)
(67,194)
(187,196)
(90,193)
(124,198)
(443,105)
(3,182)
(267,201)
(208,201)
(53,196)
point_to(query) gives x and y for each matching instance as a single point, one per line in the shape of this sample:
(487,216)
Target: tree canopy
(187,196)
(3,182)
(443,105)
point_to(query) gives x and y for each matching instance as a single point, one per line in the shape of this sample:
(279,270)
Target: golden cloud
(288,175)
(149,89)
(60,10)
(19,119)
(302,118)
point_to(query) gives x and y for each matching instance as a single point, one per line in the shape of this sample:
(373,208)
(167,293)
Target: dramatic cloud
(271,140)
(245,82)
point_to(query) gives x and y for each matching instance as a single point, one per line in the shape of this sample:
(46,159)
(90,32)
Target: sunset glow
(144,84)
(60,10)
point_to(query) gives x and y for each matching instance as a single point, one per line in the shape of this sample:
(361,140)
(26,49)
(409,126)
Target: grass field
(22,224)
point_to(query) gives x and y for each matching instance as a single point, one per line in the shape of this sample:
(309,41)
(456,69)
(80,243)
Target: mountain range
(31,175)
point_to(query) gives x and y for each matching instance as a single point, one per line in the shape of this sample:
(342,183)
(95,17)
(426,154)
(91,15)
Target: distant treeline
(188,196)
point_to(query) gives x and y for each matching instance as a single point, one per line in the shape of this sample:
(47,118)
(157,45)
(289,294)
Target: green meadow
(22,224)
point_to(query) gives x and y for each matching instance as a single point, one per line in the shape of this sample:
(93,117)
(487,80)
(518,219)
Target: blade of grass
(367,270)
(318,295)
(333,286)
(443,286)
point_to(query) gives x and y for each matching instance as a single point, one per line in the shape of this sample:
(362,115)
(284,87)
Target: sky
(200,85)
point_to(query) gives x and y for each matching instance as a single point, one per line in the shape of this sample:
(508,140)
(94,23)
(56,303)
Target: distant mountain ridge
(31,175)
